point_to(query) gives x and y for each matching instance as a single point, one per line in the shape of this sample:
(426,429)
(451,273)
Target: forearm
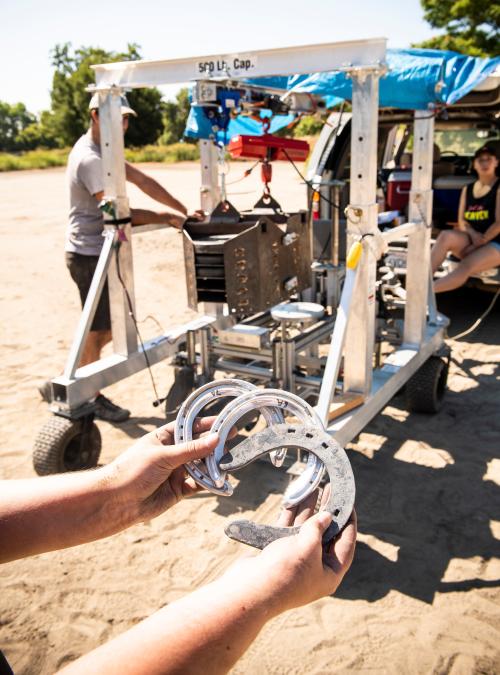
(146,217)
(53,512)
(154,190)
(204,632)
(492,232)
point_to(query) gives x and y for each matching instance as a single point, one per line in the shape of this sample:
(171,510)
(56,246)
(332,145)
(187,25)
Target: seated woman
(476,241)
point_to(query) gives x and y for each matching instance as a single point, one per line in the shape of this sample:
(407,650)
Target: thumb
(195,449)
(313,529)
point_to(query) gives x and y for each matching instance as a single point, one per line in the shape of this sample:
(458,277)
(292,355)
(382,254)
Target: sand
(423,593)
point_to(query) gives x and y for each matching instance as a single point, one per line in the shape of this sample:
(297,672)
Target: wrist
(117,510)
(251,591)
(258,584)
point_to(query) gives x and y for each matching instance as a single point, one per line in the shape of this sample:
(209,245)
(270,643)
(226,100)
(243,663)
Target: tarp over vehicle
(417,79)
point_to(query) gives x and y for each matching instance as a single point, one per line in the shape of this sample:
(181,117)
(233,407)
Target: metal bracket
(313,440)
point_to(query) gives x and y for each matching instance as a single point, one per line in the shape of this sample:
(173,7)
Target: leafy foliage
(69,117)
(472,26)
(14,120)
(308,126)
(175,117)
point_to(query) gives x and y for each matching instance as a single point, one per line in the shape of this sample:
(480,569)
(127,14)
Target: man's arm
(208,630)
(54,512)
(147,217)
(152,188)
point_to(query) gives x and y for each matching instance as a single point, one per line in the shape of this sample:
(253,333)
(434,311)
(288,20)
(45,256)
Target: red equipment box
(268,147)
(398,190)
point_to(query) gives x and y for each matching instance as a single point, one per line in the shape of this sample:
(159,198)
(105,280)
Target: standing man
(84,238)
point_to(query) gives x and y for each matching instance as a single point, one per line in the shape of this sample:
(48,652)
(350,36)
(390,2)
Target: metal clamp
(317,442)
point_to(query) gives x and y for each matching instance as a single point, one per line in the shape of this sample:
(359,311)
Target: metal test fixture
(312,337)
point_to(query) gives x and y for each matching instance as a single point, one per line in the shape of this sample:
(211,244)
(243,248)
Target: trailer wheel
(66,445)
(425,390)
(183,385)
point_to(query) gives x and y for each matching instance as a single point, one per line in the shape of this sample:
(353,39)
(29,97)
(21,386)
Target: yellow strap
(354,255)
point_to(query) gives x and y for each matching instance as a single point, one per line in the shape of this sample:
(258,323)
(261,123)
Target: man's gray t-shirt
(84,176)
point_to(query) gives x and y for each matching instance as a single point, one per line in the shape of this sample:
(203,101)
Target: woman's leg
(483,258)
(454,241)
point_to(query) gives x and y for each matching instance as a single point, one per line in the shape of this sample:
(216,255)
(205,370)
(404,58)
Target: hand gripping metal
(314,440)
(310,478)
(189,410)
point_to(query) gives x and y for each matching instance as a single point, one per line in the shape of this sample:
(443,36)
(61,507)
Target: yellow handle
(354,255)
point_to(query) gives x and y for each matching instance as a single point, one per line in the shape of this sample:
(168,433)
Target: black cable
(327,244)
(157,401)
(310,183)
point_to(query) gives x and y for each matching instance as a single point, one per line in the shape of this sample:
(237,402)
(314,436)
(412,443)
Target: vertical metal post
(276,363)
(191,347)
(113,163)
(209,191)
(362,219)
(288,355)
(418,261)
(204,334)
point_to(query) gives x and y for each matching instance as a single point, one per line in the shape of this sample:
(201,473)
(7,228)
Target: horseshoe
(197,400)
(315,441)
(310,478)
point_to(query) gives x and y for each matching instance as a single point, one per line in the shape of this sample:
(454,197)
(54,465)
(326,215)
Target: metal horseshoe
(310,478)
(195,402)
(314,440)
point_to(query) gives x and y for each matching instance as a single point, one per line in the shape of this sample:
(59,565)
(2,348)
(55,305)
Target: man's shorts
(82,268)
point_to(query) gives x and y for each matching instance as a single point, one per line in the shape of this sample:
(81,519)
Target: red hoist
(268,148)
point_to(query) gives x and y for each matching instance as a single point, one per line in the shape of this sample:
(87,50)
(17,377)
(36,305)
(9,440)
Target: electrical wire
(245,174)
(158,401)
(478,321)
(310,183)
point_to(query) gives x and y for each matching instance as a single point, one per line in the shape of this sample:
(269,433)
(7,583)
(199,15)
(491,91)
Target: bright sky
(163,29)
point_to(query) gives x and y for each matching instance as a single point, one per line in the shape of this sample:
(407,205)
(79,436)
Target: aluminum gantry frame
(364,62)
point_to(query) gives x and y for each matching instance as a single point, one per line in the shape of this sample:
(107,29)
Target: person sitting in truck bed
(476,240)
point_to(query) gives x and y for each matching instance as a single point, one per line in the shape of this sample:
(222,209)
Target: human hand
(150,477)
(199,214)
(296,570)
(476,238)
(176,221)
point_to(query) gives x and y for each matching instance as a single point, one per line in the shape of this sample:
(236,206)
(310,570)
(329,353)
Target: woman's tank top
(480,211)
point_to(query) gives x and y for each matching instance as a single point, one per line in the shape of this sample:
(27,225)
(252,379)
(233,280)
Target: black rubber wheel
(66,445)
(183,385)
(425,390)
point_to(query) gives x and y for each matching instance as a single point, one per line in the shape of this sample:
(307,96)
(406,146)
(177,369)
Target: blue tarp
(417,79)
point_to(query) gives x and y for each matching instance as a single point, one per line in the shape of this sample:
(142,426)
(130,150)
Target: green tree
(472,26)
(14,119)
(175,117)
(69,116)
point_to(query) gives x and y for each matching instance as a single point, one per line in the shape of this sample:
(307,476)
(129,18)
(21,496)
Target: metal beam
(420,211)
(362,219)
(260,63)
(386,381)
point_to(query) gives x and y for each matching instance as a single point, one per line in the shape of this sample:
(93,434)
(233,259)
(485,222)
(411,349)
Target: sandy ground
(423,593)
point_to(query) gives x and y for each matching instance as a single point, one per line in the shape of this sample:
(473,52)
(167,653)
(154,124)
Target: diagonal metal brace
(311,439)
